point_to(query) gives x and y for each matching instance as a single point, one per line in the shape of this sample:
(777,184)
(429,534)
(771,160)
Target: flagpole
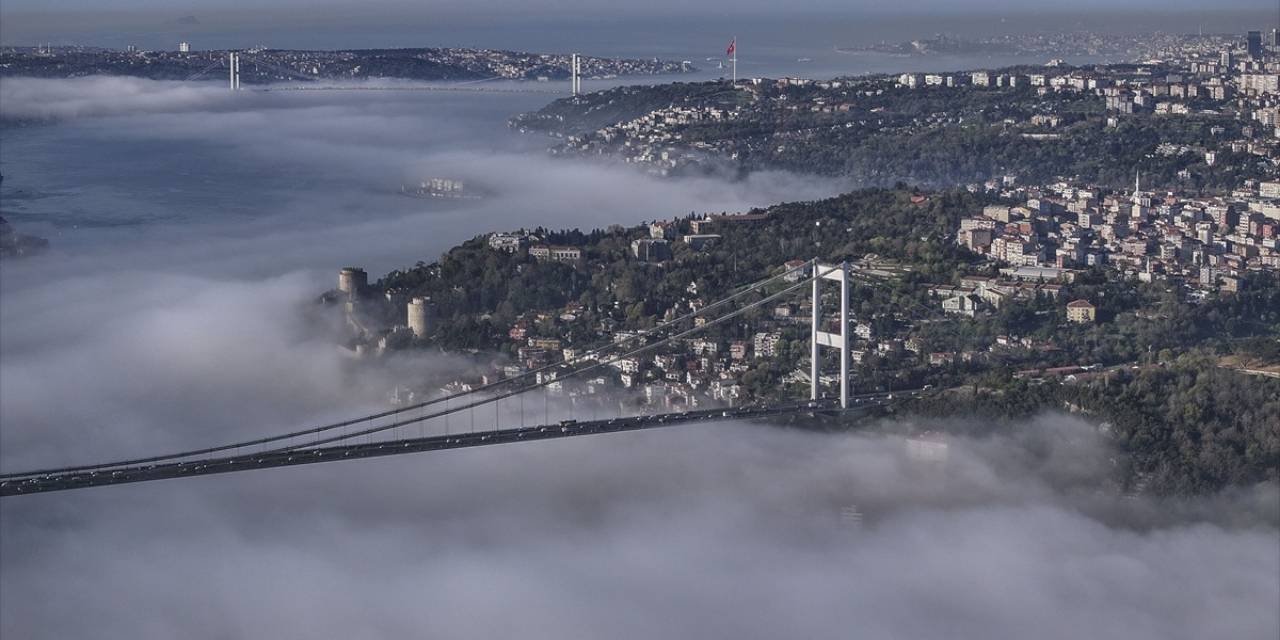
(735,61)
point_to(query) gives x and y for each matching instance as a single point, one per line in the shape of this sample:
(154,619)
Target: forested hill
(473,281)
(877,132)
(1150,365)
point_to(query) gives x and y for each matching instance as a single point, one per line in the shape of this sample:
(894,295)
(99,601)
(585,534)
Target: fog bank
(729,530)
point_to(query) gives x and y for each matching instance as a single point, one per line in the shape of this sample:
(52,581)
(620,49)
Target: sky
(192,230)
(648,28)
(657,6)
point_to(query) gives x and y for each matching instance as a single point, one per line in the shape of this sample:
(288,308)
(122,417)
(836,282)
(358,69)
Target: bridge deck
(455,88)
(266,460)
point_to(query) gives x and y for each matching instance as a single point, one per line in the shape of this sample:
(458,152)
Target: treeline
(1191,427)
(1188,427)
(960,154)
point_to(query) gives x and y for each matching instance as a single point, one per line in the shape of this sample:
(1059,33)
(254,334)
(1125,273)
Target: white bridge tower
(233,70)
(575,74)
(841,340)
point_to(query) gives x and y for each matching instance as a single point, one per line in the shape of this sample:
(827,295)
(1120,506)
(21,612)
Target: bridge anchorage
(353,439)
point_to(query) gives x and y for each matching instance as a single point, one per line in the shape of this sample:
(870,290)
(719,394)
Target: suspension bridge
(381,434)
(311,83)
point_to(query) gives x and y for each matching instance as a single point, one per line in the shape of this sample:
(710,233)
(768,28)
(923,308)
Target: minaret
(735,60)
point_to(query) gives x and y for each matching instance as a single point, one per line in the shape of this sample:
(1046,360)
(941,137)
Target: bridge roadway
(468,89)
(266,460)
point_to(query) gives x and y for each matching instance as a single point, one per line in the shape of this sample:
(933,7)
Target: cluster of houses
(686,374)
(1245,80)
(512,242)
(648,140)
(1207,243)
(1235,84)
(655,248)
(978,293)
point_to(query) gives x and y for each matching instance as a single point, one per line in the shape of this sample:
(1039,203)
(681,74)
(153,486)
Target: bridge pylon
(822,338)
(233,70)
(575,74)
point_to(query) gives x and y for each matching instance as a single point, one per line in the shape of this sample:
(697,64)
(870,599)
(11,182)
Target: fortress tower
(352,280)
(420,313)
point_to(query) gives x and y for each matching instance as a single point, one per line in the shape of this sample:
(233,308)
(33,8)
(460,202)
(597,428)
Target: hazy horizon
(559,28)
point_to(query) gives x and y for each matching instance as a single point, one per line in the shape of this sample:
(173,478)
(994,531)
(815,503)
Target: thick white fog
(191,228)
(718,531)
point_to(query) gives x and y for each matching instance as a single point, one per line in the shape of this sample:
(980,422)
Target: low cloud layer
(729,530)
(34,98)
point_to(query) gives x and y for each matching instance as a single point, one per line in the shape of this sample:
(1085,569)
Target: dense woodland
(1192,427)
(1185,427)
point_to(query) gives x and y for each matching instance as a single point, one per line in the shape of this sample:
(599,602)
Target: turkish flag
(733,46)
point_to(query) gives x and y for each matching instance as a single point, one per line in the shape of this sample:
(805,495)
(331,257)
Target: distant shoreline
(266,66)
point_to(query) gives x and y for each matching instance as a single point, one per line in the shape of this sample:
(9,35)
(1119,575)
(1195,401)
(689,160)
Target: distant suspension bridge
(354,438)
(233,60)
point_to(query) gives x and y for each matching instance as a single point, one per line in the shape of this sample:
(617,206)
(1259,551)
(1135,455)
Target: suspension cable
(346,423)
(217,62)
(596,365)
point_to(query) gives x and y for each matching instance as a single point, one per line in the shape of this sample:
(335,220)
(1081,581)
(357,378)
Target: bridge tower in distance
(821,338)
(575,74)
(233,70)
